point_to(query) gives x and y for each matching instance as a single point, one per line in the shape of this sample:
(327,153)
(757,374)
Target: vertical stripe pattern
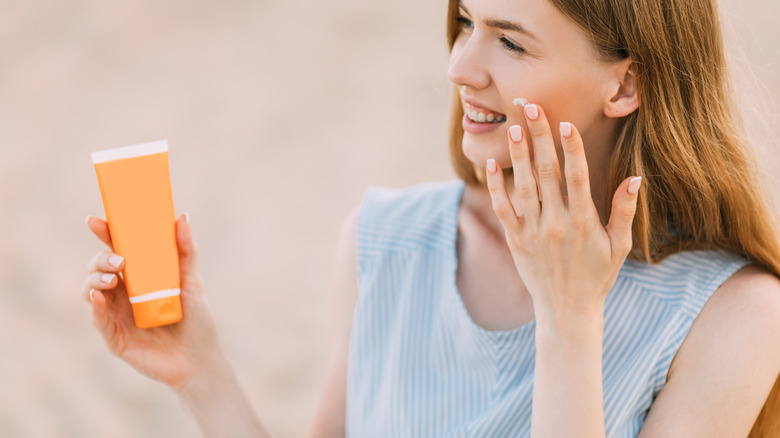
(420,367)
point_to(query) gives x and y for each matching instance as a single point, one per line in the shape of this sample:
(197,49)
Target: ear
(623,95)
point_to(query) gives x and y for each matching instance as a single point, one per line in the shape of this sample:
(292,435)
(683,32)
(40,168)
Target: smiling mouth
(481,115)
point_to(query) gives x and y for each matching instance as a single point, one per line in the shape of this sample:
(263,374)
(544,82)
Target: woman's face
(528,49)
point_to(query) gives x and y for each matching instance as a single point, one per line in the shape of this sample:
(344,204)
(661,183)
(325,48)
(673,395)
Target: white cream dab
(521,101)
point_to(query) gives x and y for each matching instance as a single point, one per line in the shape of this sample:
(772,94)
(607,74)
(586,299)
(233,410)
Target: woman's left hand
(567,259)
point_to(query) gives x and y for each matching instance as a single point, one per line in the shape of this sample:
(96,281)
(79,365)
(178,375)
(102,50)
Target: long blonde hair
(699,190)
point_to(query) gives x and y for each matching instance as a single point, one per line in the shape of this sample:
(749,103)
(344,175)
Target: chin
(478,152)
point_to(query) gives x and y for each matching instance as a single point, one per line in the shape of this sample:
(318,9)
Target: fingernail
(86,221)
(633,185)
(516,132)
(115,260)
(566,129)
(107,278)
(532,111)
(91,291)
(491,166)
(187,217)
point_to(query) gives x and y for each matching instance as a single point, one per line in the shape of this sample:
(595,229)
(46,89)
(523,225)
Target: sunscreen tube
(136,189)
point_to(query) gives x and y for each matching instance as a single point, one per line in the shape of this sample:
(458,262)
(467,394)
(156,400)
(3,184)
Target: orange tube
(136,189)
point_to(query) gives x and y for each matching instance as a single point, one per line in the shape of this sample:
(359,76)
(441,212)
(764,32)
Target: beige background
(278,114)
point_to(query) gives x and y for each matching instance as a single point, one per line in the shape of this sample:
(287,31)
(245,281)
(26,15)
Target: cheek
(564,98)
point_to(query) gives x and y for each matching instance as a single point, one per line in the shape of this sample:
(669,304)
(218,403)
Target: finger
(622,217)
(526,193)
(579,198)
(99,281)
(100,228)
(106,261)
(548,172)
(101,319)
(188,255)
(502,206)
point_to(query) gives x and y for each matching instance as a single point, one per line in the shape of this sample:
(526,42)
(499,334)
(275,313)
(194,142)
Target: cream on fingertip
(520,101)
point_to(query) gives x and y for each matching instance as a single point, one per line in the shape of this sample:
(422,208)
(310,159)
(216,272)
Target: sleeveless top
(420,367)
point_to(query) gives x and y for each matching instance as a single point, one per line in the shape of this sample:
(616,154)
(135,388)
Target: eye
(464,23)
(511,46)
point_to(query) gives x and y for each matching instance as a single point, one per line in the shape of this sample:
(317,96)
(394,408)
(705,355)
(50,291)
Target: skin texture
(718,380)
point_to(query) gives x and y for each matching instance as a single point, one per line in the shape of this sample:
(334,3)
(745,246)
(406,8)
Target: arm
(186,356)
(329,420)
(723,371)
(568,262)
(218,404)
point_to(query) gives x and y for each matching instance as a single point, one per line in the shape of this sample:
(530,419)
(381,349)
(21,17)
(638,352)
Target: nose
(467,63)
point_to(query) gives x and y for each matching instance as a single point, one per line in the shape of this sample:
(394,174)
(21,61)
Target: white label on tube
(167,293)
(138,150)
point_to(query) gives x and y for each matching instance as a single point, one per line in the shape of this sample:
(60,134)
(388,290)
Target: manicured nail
(115,260)
(633,185)
(532,111)
(491,166)
(187,217)
(86,221)
(566,129)
(107,278)
(516,132)
(91,291)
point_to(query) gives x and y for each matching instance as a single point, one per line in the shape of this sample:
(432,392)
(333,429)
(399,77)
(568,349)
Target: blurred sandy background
(278,114)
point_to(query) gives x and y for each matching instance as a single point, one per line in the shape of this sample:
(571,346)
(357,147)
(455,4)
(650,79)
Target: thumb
(188,253)
(622,216)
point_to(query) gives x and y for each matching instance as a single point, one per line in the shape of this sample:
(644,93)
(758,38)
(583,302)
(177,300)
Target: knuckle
(553,232)
(94,280)
(516,152)
(537,129)
(577,176)
(101,260)
(526,191)
(622,248)
(546,170)
(503,209)
(627,211)
(92,264)
(581,222)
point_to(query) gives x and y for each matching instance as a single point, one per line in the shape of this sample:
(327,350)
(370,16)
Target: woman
(616,278)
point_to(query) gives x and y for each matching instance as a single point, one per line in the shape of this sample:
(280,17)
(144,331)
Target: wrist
(214,398)
(208,378)
(583,323)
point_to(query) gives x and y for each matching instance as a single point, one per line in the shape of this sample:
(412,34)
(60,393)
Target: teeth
(479,117)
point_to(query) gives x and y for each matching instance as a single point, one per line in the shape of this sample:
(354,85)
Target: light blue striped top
(420,367)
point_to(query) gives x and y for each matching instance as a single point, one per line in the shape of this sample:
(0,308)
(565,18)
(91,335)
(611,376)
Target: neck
(477,198)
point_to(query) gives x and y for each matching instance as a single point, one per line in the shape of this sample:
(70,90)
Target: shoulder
(745,306)
(722,373)
(400,201)
(686,280)
(419,216)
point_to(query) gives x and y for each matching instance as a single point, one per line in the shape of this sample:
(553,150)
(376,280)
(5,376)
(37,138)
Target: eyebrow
(504,24)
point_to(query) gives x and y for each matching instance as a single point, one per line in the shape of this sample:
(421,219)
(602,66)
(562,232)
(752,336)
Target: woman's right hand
(177,354)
